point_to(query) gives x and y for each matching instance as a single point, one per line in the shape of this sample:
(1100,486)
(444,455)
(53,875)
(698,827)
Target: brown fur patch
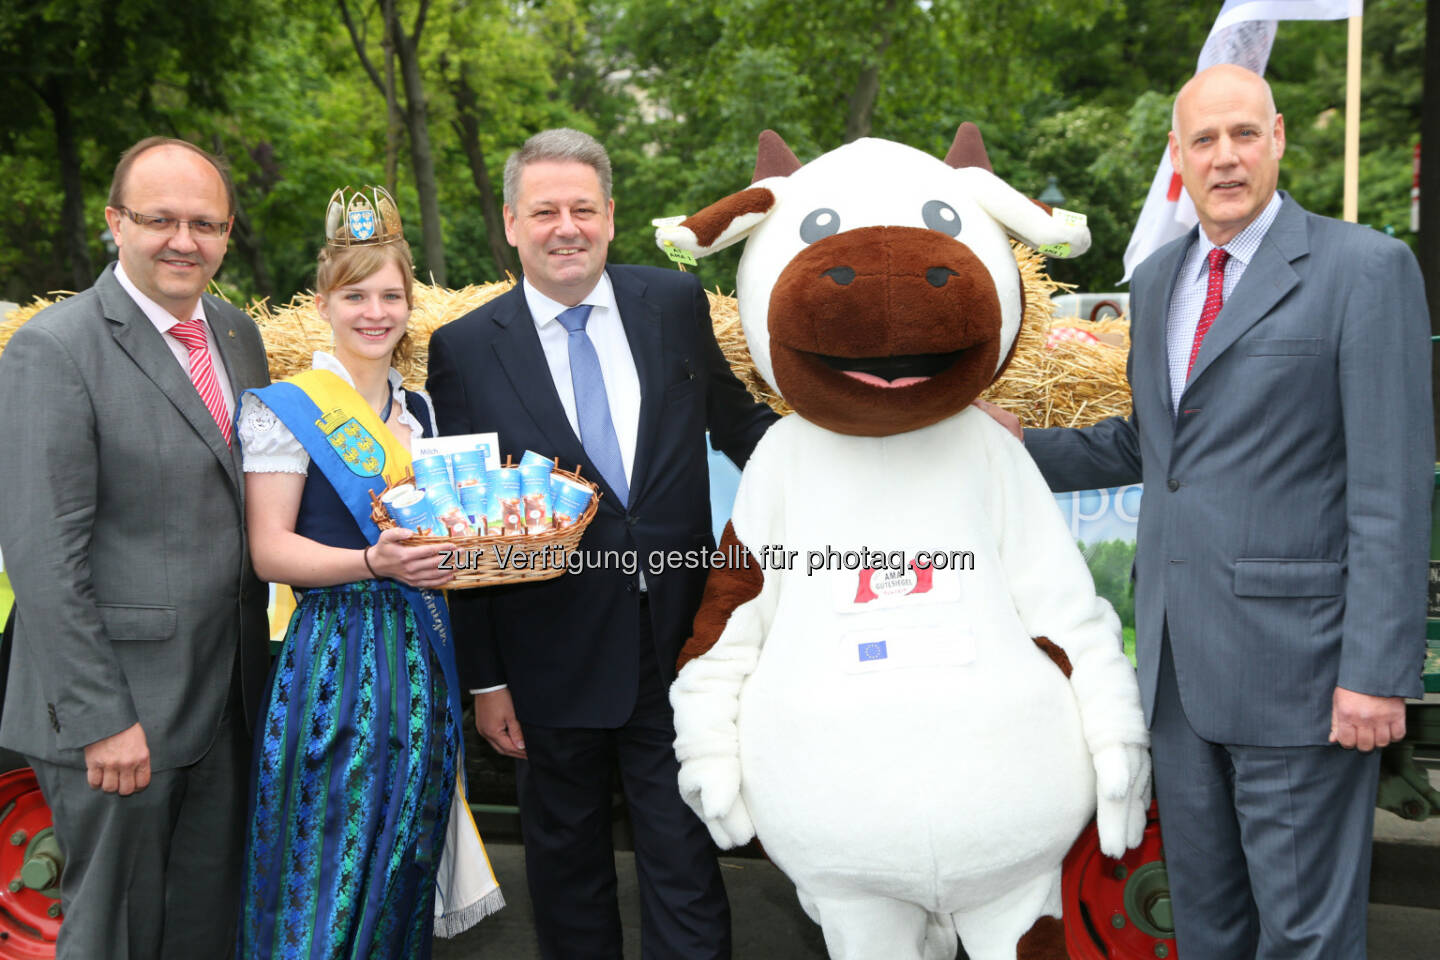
(725,589)
(1044,941)
(773,157)
(1058,656)
(888,306)
(968,148)
(708,224)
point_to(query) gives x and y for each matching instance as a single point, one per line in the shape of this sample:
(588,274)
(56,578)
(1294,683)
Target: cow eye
(819,224)
(941,217)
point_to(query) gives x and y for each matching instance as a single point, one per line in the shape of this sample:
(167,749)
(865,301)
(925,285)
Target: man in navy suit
(1281,379)
(615,368)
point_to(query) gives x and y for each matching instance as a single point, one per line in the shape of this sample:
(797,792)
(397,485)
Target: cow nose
(841,275)
(939,276)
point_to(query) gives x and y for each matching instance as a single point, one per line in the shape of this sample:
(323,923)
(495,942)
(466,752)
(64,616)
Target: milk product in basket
(431,471)
(412,510)
(445,504)
(535,496)
(571,501)
(508,491)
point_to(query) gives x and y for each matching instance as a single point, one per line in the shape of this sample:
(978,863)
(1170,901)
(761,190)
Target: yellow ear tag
(1068,218)
(682,257)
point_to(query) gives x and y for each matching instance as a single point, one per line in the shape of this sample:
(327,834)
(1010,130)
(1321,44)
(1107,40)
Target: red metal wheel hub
(1118,909)
(29,919)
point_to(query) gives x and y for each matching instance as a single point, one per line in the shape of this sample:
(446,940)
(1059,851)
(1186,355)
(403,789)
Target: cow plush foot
(880,927)
(1007,927)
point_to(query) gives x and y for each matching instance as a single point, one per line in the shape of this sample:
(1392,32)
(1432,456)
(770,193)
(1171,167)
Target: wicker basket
(494,559)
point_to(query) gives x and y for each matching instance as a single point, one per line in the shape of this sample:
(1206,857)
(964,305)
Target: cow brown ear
(773,157)
(968,149)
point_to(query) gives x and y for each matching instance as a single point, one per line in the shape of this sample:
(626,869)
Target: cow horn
(968,150)
(773,158)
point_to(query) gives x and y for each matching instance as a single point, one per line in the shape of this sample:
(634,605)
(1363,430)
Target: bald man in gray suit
(140,642)
(1280,373)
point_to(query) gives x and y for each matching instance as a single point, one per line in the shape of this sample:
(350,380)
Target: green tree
(94,72)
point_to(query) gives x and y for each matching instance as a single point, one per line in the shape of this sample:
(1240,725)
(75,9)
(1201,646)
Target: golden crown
(367,215)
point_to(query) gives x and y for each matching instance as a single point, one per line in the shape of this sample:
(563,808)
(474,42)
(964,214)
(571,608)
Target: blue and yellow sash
(357,454)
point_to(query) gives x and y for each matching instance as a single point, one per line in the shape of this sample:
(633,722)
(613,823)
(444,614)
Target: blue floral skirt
(351,783)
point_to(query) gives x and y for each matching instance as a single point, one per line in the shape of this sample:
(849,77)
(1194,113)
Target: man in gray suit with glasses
(139,647)
(1280,372)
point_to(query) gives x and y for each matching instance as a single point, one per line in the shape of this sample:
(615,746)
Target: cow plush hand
(1122,797)
(705,696)
(711,787)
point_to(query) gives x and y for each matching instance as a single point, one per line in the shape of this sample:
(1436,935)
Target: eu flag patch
(873,651)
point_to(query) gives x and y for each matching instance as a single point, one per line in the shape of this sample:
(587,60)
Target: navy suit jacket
(568,648)
(1284,528)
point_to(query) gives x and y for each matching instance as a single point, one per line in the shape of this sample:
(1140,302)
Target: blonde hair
(342,266)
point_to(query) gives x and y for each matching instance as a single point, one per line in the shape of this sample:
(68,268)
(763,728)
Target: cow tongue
(874,381)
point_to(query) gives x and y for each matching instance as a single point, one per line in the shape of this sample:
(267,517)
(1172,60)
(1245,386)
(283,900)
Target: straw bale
(16,318)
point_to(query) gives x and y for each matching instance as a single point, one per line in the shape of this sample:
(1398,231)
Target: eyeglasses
(169,226)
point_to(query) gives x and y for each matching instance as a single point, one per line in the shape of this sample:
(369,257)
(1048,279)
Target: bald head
(1226,141)
(1220,73)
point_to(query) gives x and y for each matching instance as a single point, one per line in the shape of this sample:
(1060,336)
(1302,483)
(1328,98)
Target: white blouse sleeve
(266,444)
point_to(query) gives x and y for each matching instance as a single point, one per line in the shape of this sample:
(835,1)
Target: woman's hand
(413,566)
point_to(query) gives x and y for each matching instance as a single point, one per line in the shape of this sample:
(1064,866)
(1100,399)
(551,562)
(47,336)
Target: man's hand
(1001,416)
(1363,722)
(495,719)
(120,763)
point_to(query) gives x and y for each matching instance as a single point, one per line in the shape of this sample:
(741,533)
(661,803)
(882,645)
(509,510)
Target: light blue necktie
(592,406)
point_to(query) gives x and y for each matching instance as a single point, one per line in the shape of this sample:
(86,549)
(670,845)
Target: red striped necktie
(191,333)
(1214,300)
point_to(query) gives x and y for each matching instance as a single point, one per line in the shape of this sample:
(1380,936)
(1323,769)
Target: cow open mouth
(891,372)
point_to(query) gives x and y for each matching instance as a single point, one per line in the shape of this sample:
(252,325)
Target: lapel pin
(232,334)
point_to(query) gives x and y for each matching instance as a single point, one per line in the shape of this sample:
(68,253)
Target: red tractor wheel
(30,865)
(1118,909)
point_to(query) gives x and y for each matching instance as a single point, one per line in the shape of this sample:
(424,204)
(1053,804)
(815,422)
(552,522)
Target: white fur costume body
(955,775)
(905,752)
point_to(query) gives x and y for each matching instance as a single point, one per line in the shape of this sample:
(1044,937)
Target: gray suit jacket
(122,524)
(1284,528)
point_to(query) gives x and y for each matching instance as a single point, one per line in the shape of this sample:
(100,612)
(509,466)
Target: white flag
(1242,34)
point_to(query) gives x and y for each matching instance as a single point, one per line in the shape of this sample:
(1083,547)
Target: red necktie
(191,333)
(1214,300)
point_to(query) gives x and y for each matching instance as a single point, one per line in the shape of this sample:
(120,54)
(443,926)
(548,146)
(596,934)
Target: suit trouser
(1267,848)
(155,874)
(565,817)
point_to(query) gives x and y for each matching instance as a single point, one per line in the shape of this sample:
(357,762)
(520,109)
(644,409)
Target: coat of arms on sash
(361,452)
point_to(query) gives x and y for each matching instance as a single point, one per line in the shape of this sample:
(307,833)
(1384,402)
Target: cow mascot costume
(906,686)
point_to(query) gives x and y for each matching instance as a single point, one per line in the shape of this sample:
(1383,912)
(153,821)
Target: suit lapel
(137,336)
(643,330)
(1267,279)
(1155,359)
(518,350)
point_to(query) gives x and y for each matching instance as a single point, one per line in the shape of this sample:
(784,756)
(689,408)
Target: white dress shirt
(617,365)
(1188,300)
(164,320)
